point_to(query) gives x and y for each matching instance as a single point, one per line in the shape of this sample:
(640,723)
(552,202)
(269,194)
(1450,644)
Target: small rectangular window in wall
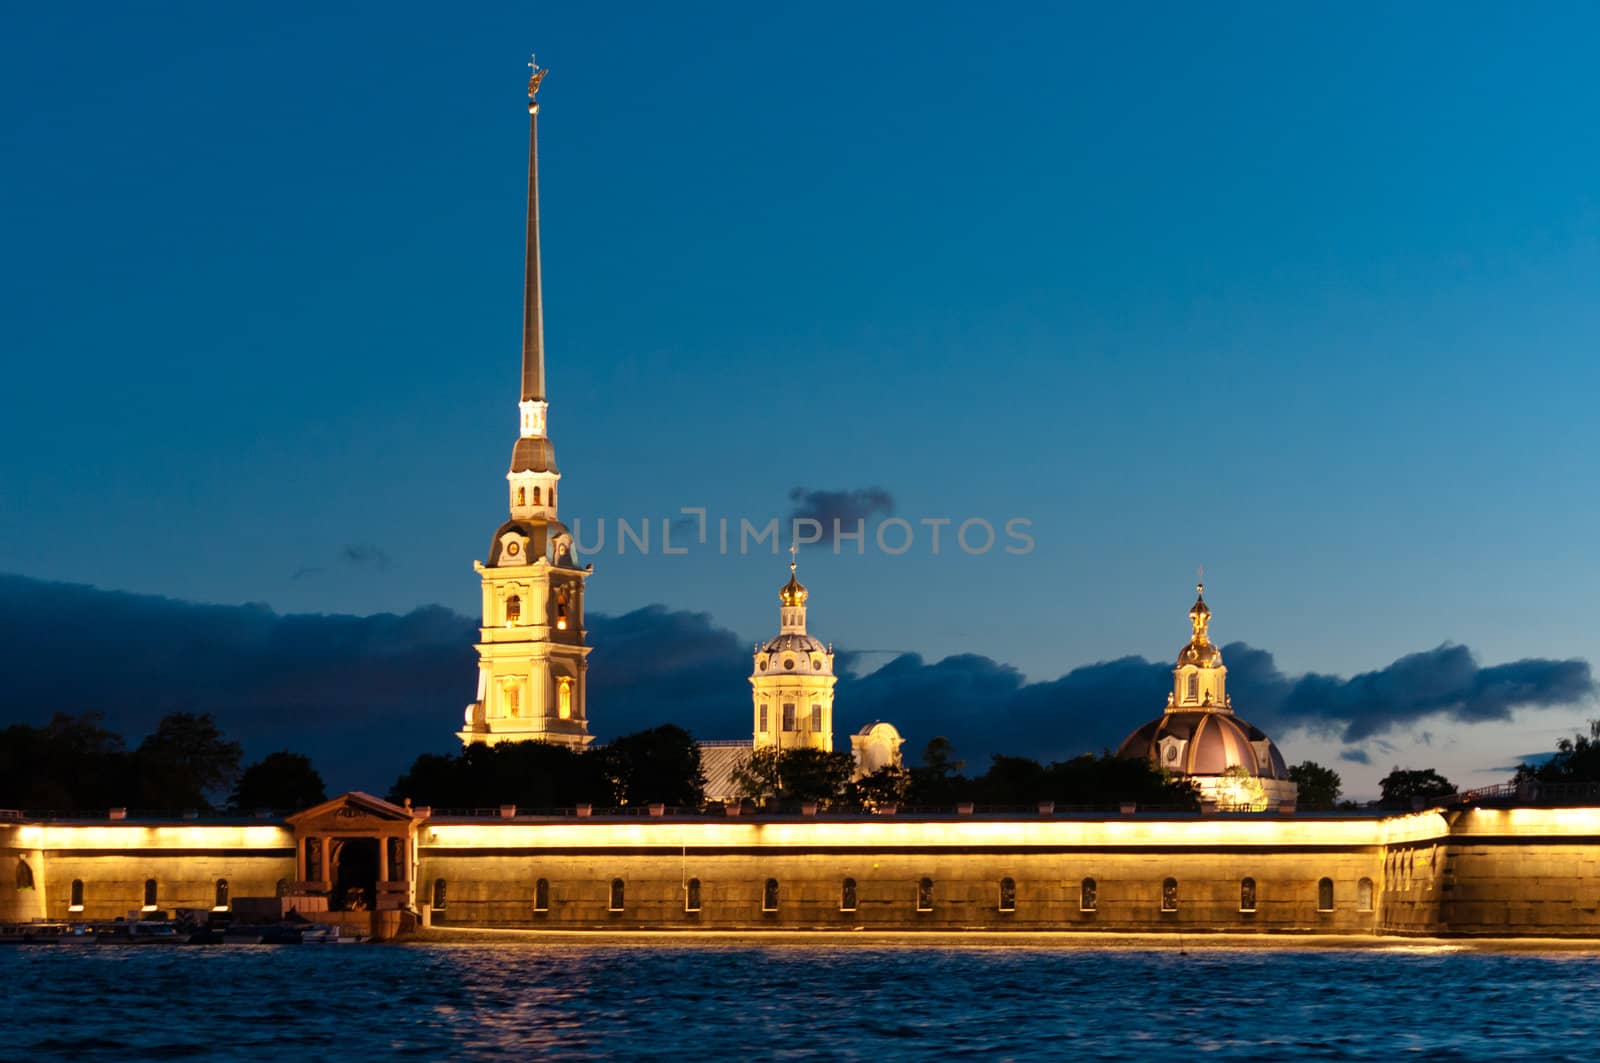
(617,888)
(1325,895)
(149,895)
(76,902)
(816,719)
(788,717)
(691,895)
(1169,895)
(925,895)
(1088,895)
(1008,895)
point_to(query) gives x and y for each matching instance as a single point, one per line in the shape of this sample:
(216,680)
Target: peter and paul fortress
(1249,861)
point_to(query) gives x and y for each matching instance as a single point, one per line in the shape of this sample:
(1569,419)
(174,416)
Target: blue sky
(1305,295)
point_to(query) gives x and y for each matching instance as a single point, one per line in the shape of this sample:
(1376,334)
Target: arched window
(149,894)
(541,895)
(220,898)
(438,895)
(769,896)
(691,896)
(513,609)
(1325,895)
(1364,895)
(522,496)
(616,895)
(1247,895)
(1008,895)
(536,496)
(1169,895)
(925,895)
(24,875)
(1194,686)
(847,895)
(564,698)
(76,902)
(1088,896)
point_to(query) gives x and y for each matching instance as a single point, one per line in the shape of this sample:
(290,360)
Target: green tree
(1401,786)
(792,776)
(282,781)
(1319,787)
(938,780)
(185,762)
(758,779)
(72,763)
(658,765)
(1577,759)
(889,785)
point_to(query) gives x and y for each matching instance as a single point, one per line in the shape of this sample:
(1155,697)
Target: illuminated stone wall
(115,860)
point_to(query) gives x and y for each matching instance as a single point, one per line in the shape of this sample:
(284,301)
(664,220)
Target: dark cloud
(846,507)
(365,694)
(364,554)
(1355,756)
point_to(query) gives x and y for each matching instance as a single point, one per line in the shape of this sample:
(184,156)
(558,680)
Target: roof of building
(1205,743)
(719,760)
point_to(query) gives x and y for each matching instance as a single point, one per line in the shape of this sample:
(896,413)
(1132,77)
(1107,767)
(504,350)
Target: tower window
(1325,895)
(763,727)
(1247,895)
(536,496)
(788,717)
(149,895)
(616,894)
(1169,895)
(75,902)
(1194,687)
(816,718)
(564,699)
(769,896)
(541,895)
(1008,895)
(1088,895)
(925,895)
(1364,895)
(220,898)
(438,895)
(513,694)
(847,895)
(513,609)
(522,496)
(691,895)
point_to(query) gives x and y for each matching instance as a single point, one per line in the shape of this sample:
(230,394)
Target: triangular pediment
(353,806)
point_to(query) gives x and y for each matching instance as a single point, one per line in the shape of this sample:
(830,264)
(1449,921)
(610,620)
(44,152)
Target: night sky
(1305,295)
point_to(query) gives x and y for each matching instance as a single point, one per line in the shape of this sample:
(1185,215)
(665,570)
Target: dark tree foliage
(1401,785)
(938,781)
(888,786)
(282,781)
(659,765)
(1093,781)
(793,776)
(71,764)
(185,763)
(1319,787)
(1577,759)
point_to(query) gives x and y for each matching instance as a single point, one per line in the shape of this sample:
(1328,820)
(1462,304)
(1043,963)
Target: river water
(692,1002)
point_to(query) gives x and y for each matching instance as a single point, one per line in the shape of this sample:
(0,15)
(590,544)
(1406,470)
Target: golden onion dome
(794,592)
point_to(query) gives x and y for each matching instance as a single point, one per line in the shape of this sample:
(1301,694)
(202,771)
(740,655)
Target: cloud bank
(363,695)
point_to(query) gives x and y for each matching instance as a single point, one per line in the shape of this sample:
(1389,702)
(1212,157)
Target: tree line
(74,764)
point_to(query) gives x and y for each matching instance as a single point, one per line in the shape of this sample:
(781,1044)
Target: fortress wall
(114,860)
(490,871)
(18,904)
(1522,871)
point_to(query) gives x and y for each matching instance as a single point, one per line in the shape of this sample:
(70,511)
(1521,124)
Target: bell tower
(792,680)
(532,649)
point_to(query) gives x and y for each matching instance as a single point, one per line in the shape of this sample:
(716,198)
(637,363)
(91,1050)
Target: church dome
(1205,743)
(534,454)
(794,592)
(795,653)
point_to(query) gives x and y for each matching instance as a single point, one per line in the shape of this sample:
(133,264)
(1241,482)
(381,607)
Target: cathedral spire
(532,301)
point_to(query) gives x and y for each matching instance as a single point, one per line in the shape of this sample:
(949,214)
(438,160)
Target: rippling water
(686,1002)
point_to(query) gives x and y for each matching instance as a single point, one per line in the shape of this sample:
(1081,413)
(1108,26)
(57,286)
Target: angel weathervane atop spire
(537,75)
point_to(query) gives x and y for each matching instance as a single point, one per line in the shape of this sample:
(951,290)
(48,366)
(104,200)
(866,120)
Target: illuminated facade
(1199,738)
(791,680)
(532,651)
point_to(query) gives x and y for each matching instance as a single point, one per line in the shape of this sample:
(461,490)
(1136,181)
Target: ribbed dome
(794,592)
(1205,743)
